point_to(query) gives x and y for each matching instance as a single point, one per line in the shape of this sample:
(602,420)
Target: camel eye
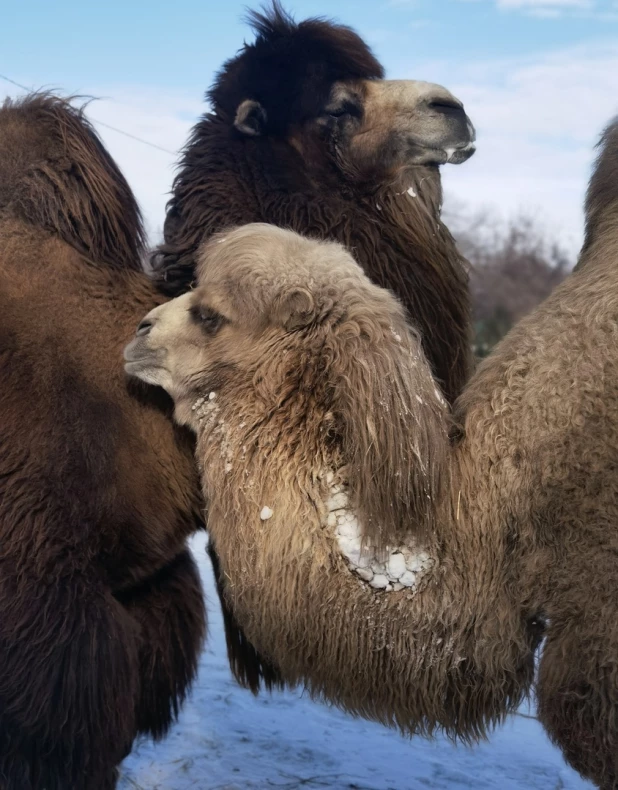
(210,320)
(347,108)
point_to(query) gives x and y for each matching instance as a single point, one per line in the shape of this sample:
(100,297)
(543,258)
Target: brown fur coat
(101,610)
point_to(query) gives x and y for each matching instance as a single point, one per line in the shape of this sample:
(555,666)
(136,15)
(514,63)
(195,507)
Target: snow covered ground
(226,739)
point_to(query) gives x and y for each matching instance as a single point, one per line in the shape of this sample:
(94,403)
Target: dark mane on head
(271,21)
(56,174)
(290,66)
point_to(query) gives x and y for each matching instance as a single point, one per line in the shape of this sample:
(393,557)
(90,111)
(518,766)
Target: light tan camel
(309,395)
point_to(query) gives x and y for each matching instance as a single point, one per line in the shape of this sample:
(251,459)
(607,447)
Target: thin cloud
(600,10)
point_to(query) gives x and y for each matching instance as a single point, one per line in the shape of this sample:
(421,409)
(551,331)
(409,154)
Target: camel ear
(394,428)
(250,118)
(294,309)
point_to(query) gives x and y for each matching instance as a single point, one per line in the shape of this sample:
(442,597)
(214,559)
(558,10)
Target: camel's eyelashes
(347,108)
(209,320)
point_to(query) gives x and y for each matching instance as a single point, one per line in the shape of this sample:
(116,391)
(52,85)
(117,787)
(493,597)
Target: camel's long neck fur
(267,478)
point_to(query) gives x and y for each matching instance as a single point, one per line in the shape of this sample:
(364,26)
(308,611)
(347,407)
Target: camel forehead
(387,92)
(405,93)
(269,259)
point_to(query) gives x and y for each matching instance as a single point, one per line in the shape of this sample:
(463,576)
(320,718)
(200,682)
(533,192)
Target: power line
(23,87)
(101,123)
(134,137)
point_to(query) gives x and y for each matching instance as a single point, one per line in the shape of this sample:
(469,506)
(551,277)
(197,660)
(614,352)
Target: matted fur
(66,182)
(525,533)
(538,463)
(228,179)
(101,610)
(310,358)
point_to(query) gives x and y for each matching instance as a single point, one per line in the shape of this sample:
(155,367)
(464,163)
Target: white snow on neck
(208,416)
(403,567)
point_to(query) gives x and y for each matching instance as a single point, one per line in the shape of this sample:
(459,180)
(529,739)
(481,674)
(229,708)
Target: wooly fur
(538,461)
(522,529)
(293,369)
(101,610)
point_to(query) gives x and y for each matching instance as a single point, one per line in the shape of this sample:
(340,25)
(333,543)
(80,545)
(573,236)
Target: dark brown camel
(306,134)
(101,610)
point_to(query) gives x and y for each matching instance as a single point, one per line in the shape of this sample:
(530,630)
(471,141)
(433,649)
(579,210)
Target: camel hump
(55,173)
(602,195)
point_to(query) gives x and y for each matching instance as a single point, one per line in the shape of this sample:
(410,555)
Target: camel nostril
(446,105)
(144,327)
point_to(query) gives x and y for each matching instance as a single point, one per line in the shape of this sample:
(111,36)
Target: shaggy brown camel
(289,364)
(101,610)
(305,133)
(303,383)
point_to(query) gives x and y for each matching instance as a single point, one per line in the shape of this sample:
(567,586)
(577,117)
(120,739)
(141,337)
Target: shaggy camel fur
(304,383)
(101,610)
(524,538)
(306,134)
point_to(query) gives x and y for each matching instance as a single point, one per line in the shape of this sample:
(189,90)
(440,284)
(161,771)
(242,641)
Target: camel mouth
(135,368)
(139,360)
(458,156)
(453,153)
(449,155)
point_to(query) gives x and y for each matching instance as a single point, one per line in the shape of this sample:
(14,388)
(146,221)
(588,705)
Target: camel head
(278,319)
(317,86)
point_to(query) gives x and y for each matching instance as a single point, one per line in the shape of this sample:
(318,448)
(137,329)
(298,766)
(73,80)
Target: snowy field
(226,739)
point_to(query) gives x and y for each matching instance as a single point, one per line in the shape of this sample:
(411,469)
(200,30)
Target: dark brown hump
(56,174)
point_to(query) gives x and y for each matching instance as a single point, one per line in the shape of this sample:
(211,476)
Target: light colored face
(397,123)
(186,345)
(375,127)
(256,284)
(167,346)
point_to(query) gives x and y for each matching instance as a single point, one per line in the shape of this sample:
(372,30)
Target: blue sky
(539,79)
